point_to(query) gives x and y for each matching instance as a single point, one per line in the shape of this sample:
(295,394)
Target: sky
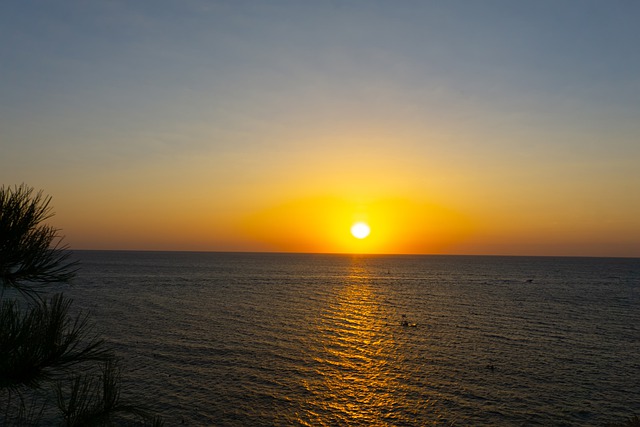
(450,127)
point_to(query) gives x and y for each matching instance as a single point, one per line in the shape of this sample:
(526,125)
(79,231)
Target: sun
(360,230)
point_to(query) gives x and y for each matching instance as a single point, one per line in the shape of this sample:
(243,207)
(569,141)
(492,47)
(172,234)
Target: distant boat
(405,323)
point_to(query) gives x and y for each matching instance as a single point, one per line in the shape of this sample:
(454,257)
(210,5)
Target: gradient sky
(461,127)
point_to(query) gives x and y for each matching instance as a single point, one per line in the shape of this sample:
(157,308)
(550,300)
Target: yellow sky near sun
(323,225)
(307,202)
(135,219)
(439,198)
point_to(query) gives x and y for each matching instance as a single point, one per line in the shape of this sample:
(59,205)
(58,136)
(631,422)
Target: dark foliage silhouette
(54,368)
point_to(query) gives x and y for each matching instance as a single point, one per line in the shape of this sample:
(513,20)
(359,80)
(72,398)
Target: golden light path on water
(360,375)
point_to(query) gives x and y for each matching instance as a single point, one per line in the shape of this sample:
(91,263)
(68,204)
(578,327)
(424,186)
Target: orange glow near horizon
(272,216)
(319,225)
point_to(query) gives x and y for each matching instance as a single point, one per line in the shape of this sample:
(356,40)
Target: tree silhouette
(53,367)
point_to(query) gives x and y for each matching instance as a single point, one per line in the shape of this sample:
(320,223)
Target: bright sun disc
(360,230)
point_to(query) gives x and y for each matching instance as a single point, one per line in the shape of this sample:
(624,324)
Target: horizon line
(351,253)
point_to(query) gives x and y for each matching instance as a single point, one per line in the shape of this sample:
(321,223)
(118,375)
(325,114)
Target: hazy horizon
(347,253)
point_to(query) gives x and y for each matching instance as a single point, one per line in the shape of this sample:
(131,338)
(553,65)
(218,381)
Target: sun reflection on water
(359,377)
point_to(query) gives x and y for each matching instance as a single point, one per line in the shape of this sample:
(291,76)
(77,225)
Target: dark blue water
(316,340)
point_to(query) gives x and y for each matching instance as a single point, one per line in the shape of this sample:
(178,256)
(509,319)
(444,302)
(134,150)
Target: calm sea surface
(316,340)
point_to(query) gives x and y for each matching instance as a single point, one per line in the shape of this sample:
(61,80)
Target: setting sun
(360,230)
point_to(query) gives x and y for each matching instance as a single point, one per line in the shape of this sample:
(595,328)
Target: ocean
(248,339)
